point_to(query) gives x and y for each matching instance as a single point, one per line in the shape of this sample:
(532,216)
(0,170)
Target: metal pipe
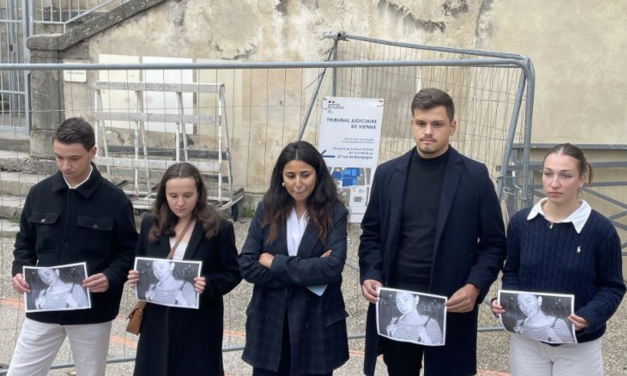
(526,201)
(334,82)
(495,63)
(27,31)
(345,36)
(303,125)
(510,136)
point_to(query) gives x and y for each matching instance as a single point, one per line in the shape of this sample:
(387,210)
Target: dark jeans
(402,358)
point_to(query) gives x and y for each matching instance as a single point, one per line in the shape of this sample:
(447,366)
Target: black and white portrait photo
(539,316)
(409,316)
(56,288)
(167,282)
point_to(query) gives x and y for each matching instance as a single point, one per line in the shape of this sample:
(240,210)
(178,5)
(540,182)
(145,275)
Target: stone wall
(577,49)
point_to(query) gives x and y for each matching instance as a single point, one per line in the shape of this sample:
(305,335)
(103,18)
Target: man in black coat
(434,225)
(73,216)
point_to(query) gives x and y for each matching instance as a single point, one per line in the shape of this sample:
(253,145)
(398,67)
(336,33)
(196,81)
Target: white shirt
(91,169)
(295,231)
(578,218)
(180,250)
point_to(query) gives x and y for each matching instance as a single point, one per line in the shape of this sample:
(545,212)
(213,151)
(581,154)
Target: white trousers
(38,344)
(528,357)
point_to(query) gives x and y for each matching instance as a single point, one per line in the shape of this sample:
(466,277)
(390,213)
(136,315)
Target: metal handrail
(70,7)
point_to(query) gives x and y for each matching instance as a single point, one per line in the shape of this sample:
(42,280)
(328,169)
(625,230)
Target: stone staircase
(17,175)
(19,172)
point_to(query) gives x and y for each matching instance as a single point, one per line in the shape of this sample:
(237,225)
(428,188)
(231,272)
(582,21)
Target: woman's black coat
(317,324)
(180,341)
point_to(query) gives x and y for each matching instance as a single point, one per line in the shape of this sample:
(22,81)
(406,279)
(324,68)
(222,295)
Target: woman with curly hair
(294,255)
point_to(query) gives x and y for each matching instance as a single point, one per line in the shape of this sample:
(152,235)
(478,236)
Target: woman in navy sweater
(563,246)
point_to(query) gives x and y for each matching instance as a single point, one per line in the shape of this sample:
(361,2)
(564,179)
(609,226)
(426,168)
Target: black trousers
(402,358)
(285,362)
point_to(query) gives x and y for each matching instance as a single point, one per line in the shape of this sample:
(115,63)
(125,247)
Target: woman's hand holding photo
(133,278)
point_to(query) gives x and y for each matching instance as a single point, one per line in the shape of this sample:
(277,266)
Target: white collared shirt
(578,218)
(295,231)
(81,183)
(180,250)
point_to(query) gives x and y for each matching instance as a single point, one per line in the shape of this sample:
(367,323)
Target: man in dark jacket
(433,225)
(73,216)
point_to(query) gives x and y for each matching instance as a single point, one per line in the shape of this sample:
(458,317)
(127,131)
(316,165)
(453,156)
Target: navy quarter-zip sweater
(557,259)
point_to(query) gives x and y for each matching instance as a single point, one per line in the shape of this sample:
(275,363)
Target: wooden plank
(146,202)
(171,88)
(161,152)
(156,117)
(153,164)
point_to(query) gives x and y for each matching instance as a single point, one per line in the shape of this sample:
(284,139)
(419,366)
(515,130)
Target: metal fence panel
(266,105)
(13,84)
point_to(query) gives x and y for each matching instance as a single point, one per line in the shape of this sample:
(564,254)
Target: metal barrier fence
(602,193)
(488,99)
(268,105)
(20,19)
(14,108)
(519,187)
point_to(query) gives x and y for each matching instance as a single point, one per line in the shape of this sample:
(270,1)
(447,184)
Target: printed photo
(167,282)
(539,316)
(410,316)
(56,288)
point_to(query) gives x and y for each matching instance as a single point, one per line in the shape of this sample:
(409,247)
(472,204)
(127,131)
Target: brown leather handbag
(135,318)
(137,314)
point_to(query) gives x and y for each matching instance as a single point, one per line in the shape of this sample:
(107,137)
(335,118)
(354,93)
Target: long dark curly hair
(277,202)
(165,220)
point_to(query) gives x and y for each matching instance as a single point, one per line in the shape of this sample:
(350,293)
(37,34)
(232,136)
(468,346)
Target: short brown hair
(429,98)
(75,130)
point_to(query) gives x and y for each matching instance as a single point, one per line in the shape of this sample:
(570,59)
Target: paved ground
(492,346)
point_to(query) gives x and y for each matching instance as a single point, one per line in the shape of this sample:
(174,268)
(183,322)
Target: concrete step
(11,207)
(8,229)
(16,161)
(18,183)
(14,141)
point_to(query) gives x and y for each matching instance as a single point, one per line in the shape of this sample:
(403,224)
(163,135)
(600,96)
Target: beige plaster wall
(284,30)
(577,49)
(266,108)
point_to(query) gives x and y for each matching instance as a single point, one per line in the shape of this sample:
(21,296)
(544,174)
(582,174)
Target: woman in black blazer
(182,341)
(294,255)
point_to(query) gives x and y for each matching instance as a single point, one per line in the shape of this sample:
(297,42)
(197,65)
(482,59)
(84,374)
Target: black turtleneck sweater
(420,213)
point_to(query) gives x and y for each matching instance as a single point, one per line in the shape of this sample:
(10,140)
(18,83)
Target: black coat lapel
(194,240)
(452,174)
(309,240)
(164,246)
(397,194)
(279,245)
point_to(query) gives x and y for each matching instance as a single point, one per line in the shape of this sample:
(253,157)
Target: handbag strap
(178,240)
